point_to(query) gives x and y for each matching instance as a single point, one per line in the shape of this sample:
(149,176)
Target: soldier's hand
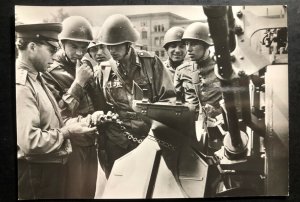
(84,73)
(79,129)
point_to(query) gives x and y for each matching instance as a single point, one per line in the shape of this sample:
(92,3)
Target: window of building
(144,34)
(162,28)
(157,53)
(158,28)
(155,28)
(156,41)
(162,53)
(161,40)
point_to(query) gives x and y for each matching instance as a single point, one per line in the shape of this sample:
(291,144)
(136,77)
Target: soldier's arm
(30,137)
(67,99)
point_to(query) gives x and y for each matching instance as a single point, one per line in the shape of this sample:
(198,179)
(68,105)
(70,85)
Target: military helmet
(96,37)
(198,31)
(172,35)
(118,29)
(76,28)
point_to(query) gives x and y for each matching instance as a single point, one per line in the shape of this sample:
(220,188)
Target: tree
(58,16)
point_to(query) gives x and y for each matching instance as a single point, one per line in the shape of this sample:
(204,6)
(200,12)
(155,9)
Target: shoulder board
(142,53)
(21,76)
(53,66)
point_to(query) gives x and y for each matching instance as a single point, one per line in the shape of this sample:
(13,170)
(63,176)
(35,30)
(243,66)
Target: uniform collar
(32,73)
(135,60)
(205,66)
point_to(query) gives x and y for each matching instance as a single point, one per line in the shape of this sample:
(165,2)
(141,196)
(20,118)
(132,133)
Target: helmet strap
(205,55)
(128,45)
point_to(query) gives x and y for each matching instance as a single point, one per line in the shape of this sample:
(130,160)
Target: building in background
(152,28)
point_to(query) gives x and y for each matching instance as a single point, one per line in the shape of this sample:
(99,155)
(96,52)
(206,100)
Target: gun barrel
(220,21)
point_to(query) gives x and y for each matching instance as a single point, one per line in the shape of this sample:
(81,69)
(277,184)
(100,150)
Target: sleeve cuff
(65,132)
(76,91)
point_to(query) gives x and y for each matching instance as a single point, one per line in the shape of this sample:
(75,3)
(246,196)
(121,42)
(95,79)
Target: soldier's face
(176,51)
(75,50)
(195,49)
(42,56)
(117,51)
(99,53)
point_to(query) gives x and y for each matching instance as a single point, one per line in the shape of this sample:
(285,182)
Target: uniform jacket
(168,65)
(39,136)
(210,84)
(118,92)
(73,100)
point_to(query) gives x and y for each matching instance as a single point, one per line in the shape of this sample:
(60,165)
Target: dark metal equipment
(251,55)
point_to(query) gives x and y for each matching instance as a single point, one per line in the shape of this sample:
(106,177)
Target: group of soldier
(71,113)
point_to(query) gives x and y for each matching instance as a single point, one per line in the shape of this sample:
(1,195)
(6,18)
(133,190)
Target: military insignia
(82,29)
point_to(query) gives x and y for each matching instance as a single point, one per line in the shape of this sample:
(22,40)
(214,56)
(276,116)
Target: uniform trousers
(40,180)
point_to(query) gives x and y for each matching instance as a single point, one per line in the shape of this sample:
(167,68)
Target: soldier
(175,48)
(196,79)
(43,140)
(129,67)
(96,50)
(72,83)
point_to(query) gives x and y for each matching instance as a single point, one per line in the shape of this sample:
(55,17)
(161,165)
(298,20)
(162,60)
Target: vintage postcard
(152,101)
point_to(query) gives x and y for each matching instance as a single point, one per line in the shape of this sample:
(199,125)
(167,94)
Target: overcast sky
(97,14)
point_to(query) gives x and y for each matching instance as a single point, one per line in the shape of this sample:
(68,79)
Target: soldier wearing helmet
(43,139)
(196,80)
(96,49)
(72,83)
(129,68)
(175,48)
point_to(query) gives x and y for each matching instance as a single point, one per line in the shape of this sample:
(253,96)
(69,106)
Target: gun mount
(252,60)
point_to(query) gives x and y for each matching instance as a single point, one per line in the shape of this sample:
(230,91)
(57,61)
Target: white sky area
(97,14)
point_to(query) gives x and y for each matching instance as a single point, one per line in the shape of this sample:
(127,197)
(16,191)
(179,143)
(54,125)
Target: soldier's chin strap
(204,56)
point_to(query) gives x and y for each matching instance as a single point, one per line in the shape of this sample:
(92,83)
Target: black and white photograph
(151,101)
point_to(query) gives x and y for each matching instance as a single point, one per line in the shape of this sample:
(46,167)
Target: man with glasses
(72,83)
(42,138)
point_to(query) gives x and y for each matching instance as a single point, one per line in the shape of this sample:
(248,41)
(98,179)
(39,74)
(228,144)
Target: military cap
(44,31)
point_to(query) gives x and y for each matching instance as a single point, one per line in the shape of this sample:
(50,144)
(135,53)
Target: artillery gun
(251,54)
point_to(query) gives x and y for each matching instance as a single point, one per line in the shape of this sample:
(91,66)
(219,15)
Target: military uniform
(43,144)
(75,101)
(210,84)
(168,65)
(147,72)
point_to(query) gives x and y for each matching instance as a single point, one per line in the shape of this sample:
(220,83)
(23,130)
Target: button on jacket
(39,136)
